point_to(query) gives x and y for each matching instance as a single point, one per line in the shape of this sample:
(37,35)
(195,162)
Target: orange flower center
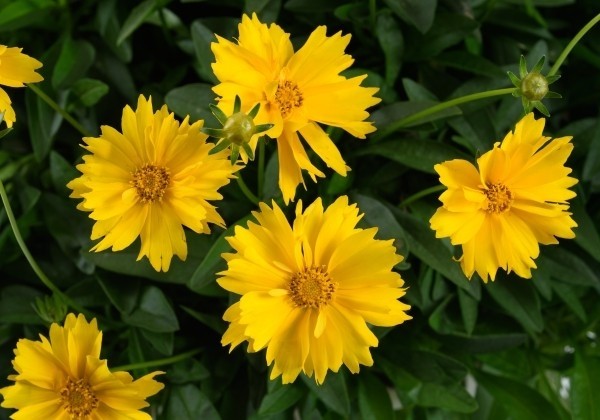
(499,198)
(78,399)
(312,287)
(288,97)
(151,181)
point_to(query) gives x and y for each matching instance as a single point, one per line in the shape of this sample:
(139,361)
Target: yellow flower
(309,290)
(517,199)
(150,181)
(64,378)
(16,69)
(296,91)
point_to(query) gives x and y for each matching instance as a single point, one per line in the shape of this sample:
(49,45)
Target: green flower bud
(51,309)
(239,128)
(534,86)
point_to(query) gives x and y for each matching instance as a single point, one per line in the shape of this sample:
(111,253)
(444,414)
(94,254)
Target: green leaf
(391,42)
(280,399)
(161,342)
(377,214)
(567,267)
(202,38)
(568,295)
(519,299)
(418,154)
(470,63)
(399,110)
(75,59)
(452,397)
(586,234)
(136,17)
(585,385)
(520,401)
(205,274)
(43,123)
(187,402)
(192,100)
(468,310)
(61,173)
(333,392)
(373,400)
(267,10)
(15,305)
(432,251)
(153,313)
(17,14)
(484,343)
(123,295)
(419,13)
(89,91)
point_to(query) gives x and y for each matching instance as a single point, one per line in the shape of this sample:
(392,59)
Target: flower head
(296,91)
(64,377)
(16,69)
(149,181)
(309,290)
(515,200)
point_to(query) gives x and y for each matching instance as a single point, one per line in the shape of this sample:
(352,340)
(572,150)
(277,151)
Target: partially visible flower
(63,377)
(296,91)
(16,69)
(308,291)
(515,199)
(532,87)
(238,132)
(150,181)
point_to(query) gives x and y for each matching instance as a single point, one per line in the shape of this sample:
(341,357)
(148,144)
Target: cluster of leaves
(515,348)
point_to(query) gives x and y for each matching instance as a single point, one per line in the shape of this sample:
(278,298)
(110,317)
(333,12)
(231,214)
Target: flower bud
(534,86)
(239,128)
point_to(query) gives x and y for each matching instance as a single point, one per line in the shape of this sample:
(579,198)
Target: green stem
(36,268)
(58,109)
(421,194)
(403,122)
(159,362)
(249,195)
(373,13)
(261,166)
(572,44)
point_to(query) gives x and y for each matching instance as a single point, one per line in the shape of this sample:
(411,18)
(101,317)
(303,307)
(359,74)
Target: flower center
(78,399)
(288,97)
(499,198)
(312,287)
(151,181)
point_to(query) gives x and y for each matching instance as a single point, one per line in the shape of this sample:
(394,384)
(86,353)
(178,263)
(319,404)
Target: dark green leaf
(75,59)
(136,17)
(162,342)
(17,14)
(280,399)
(419,13)
(519,299)
(61,172)
(15,305)
(447,397)
(475,64)
(187,402)
(43,123)
(333,392)
(202,38)
(519,400)
(391,41)
(192,100)
(153,313)
(373,399)
(468,309)
(585,386)
(89,91)
(123,294)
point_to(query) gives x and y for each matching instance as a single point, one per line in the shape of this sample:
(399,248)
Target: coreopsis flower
(151,180)
(513,201)
(296,91)
(16,69)
(309,290)
(63,377)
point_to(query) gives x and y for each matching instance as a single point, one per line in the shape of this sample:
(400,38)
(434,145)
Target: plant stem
(159,362)
(61,111)
(421,194)
(35,267)
(373,13)
(570,45)
(249,195)
(261,166)
(403,122)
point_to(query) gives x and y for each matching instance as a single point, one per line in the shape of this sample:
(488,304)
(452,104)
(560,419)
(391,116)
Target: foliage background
(516,348)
